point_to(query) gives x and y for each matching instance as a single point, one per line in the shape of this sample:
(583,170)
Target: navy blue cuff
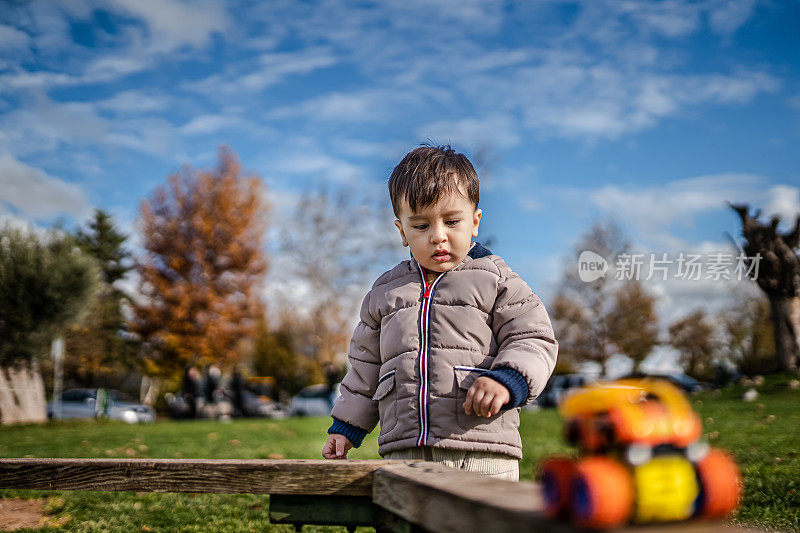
(353,433)
(513,381)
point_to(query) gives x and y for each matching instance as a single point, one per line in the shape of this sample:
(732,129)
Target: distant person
(211,383)
(101,403)
(451,342)
(237,392)
(333,374)
(192,388)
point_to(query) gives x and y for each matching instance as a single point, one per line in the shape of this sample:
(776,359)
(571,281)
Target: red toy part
(556,479)
(720,484)
(602,493)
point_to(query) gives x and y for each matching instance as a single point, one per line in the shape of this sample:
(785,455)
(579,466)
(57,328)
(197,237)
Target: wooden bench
(392,496)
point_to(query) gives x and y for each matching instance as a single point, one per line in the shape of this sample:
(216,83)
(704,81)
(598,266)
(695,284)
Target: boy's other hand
(336,447)
(485,397)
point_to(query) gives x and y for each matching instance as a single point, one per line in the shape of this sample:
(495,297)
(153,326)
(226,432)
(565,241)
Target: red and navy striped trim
(423,354)
(475,251)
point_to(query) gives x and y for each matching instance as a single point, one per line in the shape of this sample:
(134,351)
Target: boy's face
(449,226)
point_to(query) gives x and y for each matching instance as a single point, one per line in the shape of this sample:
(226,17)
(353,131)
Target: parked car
(80,403)
(260,406)
(314,400)
(558,386)
(682,381)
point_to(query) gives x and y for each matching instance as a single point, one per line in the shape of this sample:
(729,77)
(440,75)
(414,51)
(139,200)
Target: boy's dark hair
(428,172)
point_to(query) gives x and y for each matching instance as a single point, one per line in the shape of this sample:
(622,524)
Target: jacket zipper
(462,367)
(422,440)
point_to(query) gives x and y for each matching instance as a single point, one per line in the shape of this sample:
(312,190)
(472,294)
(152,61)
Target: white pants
(493,464)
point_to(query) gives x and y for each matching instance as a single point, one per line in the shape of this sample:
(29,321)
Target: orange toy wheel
(720,485)
(556,479)
(601,493)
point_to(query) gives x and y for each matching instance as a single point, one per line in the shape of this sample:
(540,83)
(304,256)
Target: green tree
(99,350)
(573,332)
(105,243)
(275,355)
(748,334)
(46,281)
(633,322)
(693,337)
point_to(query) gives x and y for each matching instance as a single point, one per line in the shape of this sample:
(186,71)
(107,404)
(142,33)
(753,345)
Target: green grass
(764,436)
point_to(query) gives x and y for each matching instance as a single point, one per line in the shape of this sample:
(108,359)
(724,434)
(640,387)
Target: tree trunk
(149,389)
(22,398)
(786,321)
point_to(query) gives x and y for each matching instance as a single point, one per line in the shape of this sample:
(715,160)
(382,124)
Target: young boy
(451,342)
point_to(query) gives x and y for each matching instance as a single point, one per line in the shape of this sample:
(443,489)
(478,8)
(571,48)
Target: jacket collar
(476,251)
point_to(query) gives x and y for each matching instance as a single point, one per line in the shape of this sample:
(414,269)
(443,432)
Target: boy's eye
(421,227)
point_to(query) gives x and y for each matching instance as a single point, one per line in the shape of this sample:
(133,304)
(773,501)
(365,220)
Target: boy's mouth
(441,256)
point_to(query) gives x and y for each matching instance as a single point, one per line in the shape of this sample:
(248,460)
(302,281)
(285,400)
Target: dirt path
(17,513)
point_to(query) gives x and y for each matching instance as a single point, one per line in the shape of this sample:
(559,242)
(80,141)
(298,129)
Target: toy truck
(640,459)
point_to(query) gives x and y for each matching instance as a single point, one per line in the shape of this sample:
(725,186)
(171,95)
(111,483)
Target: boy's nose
(439,234)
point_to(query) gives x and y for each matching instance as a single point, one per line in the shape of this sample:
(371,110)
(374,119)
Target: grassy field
(764,435)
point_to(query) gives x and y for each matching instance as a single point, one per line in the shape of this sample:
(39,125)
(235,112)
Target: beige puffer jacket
(418,348)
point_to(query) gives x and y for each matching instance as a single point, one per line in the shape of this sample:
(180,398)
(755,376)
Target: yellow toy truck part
(640,460)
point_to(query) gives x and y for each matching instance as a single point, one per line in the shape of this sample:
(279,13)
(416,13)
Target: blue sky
(653,112)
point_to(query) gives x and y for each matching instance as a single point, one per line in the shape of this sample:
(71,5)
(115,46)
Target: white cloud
(494,130)
(784,201)
(136,101)
(604,74)
(369,148)
(654,210)
(272,68)
(726,17)
(529,203)
(112,67)
(369,105)
(663,204)
(606,101)
(668,18)
(101,70)
(206,124)
(35,80)
(151,135)
(601,75)
(37,195)
(148,31)
(46,22)
(42,125)
(316,164)
(13,39)
(174,23)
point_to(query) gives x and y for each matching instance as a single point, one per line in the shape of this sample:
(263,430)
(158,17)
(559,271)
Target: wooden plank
(349,511)
(300,509)
(312,477)
(439,498)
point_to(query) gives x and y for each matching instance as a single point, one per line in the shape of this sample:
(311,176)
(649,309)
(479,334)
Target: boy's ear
(476,222)
(400,229)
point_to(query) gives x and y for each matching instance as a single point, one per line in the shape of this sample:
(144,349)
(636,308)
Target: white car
(314,400)
(80,403)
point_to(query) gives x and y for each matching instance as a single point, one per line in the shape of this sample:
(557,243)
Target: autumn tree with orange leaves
(202,269)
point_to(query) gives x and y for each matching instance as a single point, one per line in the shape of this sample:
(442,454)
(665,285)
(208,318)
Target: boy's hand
(485,397)
(336,447)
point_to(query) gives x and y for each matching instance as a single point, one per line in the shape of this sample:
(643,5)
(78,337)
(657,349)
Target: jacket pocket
(386,396)
(465,376)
